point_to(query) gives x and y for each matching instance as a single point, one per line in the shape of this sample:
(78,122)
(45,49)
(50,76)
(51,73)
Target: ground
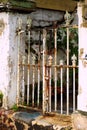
(10,120)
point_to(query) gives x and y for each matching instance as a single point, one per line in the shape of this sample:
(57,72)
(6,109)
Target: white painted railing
(48,85)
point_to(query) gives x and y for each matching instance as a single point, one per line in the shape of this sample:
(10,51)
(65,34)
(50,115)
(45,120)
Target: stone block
(79,120)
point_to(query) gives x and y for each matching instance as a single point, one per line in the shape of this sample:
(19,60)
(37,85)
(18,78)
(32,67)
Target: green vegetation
(1,98)
(1,95)
(62,45)
(5,1)
(19,3)
(62,41)
(15,107)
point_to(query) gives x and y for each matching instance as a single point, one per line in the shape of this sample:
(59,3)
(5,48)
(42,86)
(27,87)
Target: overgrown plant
(15,107)
(62,41)
(1,95)
(1,98)
(62,45)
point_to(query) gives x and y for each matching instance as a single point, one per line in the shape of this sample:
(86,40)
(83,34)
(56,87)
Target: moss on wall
(5,1)
(24,3)
(20,3)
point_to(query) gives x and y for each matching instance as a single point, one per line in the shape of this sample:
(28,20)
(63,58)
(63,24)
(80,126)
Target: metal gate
(43,82)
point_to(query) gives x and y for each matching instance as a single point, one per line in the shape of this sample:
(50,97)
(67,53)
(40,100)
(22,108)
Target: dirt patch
(57,119)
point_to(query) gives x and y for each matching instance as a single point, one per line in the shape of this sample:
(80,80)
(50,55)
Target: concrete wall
(82,92)
(42,17)
(4,53)
(8,55)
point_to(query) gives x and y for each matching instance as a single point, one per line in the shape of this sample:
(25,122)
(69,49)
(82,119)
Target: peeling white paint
(4,53)
(82,96)
(8,56)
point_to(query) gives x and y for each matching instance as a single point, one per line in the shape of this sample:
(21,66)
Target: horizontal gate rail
(58,66)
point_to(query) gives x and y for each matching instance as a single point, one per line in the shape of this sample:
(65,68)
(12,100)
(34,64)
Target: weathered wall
(42,17)
(82,92)
(4,53)
(8,55)
(13,54)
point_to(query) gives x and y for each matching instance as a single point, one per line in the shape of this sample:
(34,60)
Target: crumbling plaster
(8,56)
(82,88)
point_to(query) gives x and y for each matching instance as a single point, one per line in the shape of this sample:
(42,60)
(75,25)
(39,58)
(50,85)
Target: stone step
(79,120)
(36,121)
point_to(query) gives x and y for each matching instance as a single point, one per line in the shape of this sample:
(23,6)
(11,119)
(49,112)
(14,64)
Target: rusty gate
(45,82)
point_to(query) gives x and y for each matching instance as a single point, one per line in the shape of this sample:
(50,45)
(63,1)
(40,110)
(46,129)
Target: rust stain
(84,24)
(84,62)
(81,52)
(56,119)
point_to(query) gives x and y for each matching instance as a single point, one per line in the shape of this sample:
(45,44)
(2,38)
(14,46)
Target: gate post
(82,89)
(18,30)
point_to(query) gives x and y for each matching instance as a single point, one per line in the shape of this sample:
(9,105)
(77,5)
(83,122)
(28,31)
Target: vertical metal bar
(47,88)
(61,90)
(61,78)
(50,73)
(73,89)
(74,58)
(38,93)
(33,86)
(55,78)
(44,65)
(23,83)
(67,71)
(28,72)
